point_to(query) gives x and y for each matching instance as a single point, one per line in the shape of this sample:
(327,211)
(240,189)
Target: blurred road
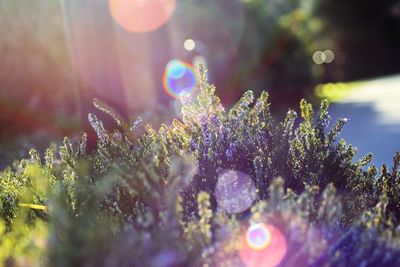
(374,112)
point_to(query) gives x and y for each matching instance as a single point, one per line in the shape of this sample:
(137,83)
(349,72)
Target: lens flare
(235,192)
(189,44)
(258,236)
(141,15)
(179,78)
(264,245)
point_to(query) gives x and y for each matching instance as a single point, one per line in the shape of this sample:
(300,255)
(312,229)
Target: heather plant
(192,192)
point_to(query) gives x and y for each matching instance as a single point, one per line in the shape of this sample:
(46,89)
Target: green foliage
(149,199)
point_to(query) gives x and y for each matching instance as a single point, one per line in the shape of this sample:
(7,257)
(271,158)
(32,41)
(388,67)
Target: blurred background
(139,55)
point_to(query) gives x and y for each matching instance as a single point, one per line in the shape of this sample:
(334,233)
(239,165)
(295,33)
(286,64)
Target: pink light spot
(141,15)
(264,245)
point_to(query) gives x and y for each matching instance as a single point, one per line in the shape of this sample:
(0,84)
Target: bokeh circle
(180,78)
(235,191)
(141,15)
(263,245)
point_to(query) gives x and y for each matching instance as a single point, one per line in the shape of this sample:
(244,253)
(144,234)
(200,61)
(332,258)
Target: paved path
(373,108)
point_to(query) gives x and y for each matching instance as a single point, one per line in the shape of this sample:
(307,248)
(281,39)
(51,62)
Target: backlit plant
(217,188)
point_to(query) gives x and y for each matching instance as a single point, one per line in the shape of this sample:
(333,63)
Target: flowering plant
(219,188)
